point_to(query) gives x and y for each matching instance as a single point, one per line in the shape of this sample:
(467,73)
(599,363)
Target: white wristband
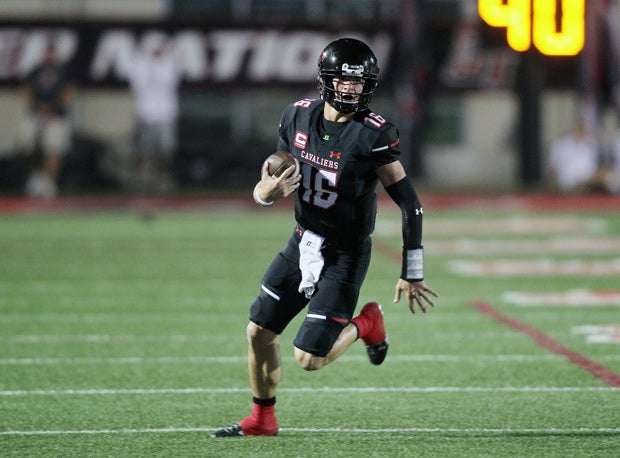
(414,263)
(260,201)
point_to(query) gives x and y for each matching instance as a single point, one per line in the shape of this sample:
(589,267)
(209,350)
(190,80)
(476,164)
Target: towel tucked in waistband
(310,261)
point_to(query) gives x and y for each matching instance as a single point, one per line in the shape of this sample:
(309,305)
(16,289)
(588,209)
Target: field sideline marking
(539,266)
(520,225)
(370,389)
(243,359)
(207,429)
(566,298)
(601,372)
(112,338)
(554,245)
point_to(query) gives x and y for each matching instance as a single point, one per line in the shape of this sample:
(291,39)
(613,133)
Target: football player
(344,149)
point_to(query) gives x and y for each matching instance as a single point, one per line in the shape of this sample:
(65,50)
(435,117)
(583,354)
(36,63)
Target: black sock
(264,402)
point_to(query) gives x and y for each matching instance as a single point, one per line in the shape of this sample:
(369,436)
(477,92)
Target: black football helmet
(347,57)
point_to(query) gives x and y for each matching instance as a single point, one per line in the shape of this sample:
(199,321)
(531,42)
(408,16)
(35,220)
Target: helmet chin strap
(341,103)
(345,108)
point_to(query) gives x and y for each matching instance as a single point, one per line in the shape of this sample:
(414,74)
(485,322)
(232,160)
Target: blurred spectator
(574,161)
(47,129)
(154,80)
(613,175)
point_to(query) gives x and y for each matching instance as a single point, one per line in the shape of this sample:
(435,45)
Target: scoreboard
(554,27)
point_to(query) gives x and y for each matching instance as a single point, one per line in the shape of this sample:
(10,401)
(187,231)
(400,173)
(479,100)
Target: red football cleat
(262,422)
(372,331)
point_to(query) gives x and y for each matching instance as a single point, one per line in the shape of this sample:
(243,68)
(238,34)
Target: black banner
(100,54)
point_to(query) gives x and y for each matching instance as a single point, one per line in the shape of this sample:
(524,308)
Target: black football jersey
(336,198)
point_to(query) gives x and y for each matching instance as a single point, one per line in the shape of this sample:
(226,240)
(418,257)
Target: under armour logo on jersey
(335,154)
(419,211)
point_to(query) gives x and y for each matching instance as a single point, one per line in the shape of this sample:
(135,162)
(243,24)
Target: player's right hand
(274,188)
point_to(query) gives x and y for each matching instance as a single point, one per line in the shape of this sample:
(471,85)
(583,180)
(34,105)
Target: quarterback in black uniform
(343,149)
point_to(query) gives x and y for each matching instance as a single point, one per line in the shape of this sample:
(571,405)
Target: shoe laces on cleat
(230,431)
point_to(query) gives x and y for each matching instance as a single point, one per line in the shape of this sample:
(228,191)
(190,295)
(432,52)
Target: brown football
(280,161)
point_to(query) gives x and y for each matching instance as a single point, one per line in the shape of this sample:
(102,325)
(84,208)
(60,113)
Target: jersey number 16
(320,186)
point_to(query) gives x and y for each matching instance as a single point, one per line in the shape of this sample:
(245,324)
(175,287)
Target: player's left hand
(416,292)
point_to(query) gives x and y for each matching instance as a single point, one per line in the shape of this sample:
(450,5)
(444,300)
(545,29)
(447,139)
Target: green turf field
(120,337)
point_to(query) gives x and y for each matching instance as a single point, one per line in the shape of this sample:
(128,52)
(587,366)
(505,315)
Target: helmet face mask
(347,76)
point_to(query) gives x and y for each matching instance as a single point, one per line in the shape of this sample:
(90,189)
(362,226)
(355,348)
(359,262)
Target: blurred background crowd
(156,96)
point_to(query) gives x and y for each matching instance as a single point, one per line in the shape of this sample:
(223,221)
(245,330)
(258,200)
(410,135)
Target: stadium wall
(484,156)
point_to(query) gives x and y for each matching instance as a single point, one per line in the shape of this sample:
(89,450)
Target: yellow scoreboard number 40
(528,21)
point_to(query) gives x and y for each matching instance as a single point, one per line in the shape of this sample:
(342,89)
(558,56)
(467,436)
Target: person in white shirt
(613,179)
(154,80)
(574,160)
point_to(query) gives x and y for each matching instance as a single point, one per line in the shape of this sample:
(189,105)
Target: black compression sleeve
(404,195)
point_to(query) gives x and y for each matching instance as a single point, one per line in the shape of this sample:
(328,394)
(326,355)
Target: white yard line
(552,245)
(115,315)
(110,338)
(371,389)
(535,267)
(169,316)
(243,359)
(209,429)
(180,338)
(516,225)
(566,298)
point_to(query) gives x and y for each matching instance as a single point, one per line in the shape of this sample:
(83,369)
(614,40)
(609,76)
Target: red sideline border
(243,200)
(601,372)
